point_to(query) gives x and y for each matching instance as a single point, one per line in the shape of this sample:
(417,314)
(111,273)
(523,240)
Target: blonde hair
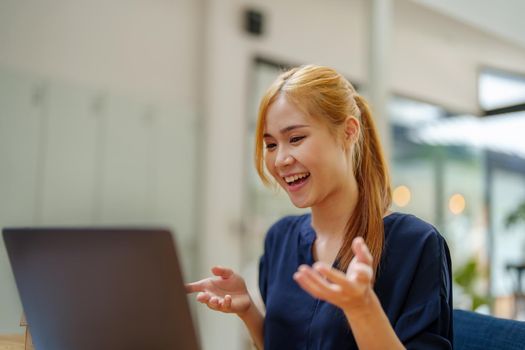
(323,93)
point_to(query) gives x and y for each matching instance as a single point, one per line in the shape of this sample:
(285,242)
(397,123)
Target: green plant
(466,277)
(516,216)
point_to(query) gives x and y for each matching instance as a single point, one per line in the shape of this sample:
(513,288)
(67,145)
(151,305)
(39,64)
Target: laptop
(101,288)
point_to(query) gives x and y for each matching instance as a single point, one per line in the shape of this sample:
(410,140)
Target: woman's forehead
(283,113)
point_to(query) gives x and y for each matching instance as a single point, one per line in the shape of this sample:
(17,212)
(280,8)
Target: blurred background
(129,112)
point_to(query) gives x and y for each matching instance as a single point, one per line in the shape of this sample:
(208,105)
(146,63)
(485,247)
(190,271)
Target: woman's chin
(301,204)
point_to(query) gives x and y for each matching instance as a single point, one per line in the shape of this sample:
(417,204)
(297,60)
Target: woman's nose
(284,160)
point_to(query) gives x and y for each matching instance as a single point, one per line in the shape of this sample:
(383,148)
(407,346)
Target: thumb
(361,251)
(222,272)
(195,286)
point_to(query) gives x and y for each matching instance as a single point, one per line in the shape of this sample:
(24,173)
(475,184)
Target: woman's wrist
(361,308)
(253,320)
(369,312)
(248,313)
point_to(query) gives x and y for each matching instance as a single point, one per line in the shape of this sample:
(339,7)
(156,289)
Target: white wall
(505,16)
(430,52)
(437,59)
(139,48)
(110,139)
(194,55)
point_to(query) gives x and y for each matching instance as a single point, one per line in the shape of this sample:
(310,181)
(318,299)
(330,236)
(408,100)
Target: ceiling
(503,18)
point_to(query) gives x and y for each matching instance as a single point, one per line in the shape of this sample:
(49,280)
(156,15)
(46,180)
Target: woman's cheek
(268,163)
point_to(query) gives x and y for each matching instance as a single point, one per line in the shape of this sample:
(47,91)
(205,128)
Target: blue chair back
(473,331)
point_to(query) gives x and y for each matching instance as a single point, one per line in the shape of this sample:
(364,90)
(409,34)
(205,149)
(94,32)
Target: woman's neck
(329,217)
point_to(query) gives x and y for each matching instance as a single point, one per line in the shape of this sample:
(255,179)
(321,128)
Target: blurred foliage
(516,216)
(466,277)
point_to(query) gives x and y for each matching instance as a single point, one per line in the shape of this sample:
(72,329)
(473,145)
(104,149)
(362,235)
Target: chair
(473,331)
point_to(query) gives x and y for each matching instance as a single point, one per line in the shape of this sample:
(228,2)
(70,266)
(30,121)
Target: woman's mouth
(296,181)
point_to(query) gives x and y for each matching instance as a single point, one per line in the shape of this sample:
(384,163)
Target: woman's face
(308,161)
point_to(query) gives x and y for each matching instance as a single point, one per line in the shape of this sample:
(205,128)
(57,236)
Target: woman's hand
(227,292)
(349,291)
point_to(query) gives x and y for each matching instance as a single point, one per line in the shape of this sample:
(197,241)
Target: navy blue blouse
(413,284)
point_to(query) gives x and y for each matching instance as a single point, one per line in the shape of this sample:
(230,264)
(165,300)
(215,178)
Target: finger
(227,303)
(361,273)
(223,305)
(222,272)
(307,285)
(213,303)
(196,286)
(326,286)
(315,282)
(213,307)
(331,274)
(203,297)
(361,251)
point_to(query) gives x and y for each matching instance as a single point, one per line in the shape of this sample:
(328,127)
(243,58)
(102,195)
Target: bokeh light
(402,196)
(456,204)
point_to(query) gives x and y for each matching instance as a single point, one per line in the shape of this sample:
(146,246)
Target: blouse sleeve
(425,321)
(263,277)
(265,260)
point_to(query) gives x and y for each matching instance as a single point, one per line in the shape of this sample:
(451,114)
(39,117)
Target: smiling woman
(348,163)
(351,274)
(298,146)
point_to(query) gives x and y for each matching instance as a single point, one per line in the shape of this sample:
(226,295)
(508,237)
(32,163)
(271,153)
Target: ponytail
(375,195)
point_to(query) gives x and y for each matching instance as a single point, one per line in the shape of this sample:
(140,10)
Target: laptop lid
(101,288)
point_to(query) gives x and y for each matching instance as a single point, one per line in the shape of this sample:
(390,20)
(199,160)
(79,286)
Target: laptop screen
(101,288)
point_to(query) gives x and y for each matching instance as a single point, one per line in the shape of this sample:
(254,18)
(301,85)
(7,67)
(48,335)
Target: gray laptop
(101,288)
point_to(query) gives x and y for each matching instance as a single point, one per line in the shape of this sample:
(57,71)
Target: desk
(12,342)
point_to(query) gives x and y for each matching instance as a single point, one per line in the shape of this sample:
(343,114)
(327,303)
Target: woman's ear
(351,131)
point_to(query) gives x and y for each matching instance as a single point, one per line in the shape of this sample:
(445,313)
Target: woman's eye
(296,139)
(270,146)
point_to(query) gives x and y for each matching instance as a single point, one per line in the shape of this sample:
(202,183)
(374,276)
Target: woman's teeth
(293,178)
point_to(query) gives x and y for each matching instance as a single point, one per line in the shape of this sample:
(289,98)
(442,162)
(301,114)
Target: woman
(351,274)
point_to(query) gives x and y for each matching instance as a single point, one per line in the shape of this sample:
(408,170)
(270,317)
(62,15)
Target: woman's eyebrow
(288,129)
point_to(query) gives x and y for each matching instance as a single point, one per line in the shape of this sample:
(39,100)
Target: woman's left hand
(349,291)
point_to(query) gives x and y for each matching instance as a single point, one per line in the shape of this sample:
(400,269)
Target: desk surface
(11,342)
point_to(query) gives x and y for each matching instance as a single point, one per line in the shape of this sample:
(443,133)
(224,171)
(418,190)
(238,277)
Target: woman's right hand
(226,292)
